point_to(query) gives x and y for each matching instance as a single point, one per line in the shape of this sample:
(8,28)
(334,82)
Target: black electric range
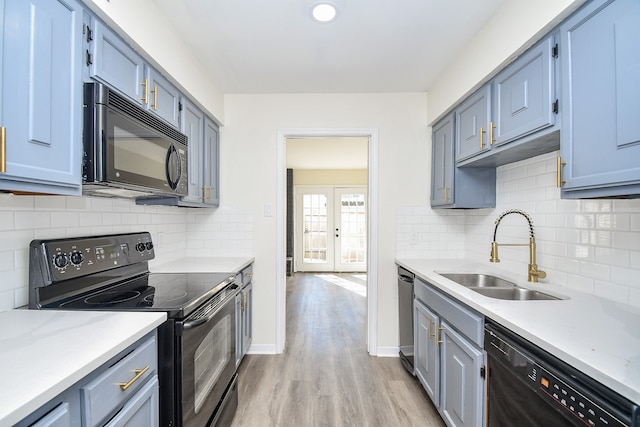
(111,272)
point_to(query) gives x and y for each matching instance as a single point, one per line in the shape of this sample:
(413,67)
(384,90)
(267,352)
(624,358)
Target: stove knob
(140,247)
(61,260)
(149,246)
(77,258)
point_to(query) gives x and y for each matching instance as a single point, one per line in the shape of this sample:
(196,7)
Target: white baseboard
(388,352)
(262,349)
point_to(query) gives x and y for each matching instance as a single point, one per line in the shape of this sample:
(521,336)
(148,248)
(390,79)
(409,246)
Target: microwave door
(137,155)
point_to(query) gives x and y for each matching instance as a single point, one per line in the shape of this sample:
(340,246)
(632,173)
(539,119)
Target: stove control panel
(64,259)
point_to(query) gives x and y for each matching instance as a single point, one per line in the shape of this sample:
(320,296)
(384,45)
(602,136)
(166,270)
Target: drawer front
(102,396)
(247,275)
(465,320)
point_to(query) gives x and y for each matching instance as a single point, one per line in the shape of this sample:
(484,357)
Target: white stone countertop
(203,265)
(599,337)
(44,352)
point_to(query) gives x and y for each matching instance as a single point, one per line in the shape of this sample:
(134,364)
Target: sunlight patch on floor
(350,285)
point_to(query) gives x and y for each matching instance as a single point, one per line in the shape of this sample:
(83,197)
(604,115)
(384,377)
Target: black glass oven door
(138,155)
(208,363)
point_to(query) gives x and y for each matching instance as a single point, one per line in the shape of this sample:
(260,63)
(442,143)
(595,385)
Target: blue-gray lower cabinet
(426,358)
(449,360)
(98,399)
(41,102)
(462,391)
(454,187)
(601,93)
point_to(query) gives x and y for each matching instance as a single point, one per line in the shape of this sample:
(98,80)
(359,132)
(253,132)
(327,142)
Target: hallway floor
(325,377)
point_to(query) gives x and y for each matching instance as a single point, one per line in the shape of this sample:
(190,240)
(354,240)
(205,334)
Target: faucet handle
(535,274)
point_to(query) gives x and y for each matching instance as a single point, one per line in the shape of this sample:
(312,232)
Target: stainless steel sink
(473,280)
(495,287)
(515,293)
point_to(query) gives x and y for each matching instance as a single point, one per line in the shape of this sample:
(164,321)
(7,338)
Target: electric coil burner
(196,345)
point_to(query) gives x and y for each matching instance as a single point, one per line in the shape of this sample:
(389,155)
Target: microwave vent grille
(143,116)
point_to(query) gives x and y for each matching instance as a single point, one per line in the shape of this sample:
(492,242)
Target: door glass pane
(314,225)
(353,236)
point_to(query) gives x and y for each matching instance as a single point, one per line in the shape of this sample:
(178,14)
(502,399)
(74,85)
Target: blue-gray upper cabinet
(41,113)
(514,116)
(118,65)
(453,187)
(115,63)
(193,127)
(601,90)
(524,95)
(211,166)
(473,119)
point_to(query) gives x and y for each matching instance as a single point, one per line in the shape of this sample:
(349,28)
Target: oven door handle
(202,320)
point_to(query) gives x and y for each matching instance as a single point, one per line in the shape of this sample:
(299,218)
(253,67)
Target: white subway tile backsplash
(592,245)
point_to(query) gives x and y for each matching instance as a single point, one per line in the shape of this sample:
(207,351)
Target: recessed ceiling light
(324,12)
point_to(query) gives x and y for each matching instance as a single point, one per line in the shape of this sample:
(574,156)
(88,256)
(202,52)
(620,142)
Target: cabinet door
(42,95)
(523,95)
(164,98)
(117,64)
(472,124)
(141,410)
(211,165)
(443,163)
(59,417)
(462,385)
(193,127)
(426,359)
(601,91)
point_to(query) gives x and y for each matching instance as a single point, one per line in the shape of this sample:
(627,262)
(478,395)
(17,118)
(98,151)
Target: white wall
(589,245)
(507,33)
(250,138)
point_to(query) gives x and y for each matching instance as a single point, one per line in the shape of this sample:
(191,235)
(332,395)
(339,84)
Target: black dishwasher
(528,387)
(405,317)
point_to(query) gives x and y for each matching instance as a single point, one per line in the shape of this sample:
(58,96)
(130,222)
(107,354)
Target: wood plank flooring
(325,377)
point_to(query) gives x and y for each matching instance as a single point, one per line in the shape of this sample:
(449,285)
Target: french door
(331,229)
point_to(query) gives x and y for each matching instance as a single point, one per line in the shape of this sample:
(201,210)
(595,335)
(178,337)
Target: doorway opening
(325,202)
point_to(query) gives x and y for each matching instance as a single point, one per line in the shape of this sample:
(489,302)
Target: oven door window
(208,363)
(136,154)
(210,359)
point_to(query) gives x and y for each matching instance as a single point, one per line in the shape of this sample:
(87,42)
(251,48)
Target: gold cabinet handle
(3,149)
(482,132)
(145,97)
(491,138)
(139,373)
(439,335)
(431,334)
(155,97)
(446,193)
(559,166)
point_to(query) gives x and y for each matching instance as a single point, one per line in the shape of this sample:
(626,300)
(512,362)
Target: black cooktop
(178,294)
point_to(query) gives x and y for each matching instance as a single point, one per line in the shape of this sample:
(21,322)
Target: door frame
(372,226)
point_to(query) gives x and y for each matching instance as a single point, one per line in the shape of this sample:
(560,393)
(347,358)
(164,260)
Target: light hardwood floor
(325,377)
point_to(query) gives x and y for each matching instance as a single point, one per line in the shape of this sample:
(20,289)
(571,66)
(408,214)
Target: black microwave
(129,152)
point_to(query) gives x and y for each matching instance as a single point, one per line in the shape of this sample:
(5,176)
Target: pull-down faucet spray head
(533,272)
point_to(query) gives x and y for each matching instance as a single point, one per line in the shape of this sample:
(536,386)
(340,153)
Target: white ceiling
(262,46)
